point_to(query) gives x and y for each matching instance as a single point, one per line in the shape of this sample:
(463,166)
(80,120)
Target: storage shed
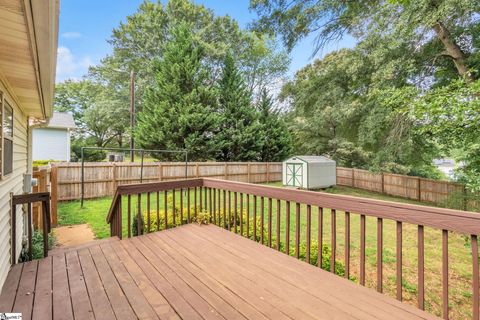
(309,172)
(51,141)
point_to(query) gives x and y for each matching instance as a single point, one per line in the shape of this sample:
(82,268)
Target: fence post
(114,176)
(197,172)
(419,192)
(53,194)
(226,171)
(248,172)
(353,177)
(465,199)
(160,172)
(268,172)
(383,183)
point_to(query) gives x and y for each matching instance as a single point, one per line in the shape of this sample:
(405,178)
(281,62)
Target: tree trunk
(453,50)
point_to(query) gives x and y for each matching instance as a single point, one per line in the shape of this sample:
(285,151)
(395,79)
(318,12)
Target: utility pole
(132,114)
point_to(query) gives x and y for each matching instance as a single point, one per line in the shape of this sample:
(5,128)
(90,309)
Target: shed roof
(61,120)
(313,159)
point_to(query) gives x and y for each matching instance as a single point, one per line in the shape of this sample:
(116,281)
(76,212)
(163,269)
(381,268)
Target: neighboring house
(51,141)
(28,45)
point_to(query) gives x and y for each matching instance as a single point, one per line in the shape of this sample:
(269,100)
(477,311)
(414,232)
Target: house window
(7,132)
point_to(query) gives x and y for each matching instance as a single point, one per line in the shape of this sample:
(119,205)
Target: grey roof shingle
(61,120)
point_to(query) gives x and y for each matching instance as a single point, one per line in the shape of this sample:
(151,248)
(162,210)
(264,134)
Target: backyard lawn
(95,211)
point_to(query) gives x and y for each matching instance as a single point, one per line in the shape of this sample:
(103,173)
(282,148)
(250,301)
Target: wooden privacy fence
(409,187)
(103,178)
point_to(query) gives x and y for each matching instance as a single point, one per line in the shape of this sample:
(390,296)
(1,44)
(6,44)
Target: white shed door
(294,174)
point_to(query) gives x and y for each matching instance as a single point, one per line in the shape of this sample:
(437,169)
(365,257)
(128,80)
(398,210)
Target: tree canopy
(145,43)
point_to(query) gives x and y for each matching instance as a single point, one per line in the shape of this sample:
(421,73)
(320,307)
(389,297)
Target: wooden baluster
(46,225)
(188,206)
(215,206)
(297,230)
(320,237)
(445,273)
(148,212)
(158,210)
(308,233)
(219,207)
(380,255)
(347,244)
(421,268)
(262,218)
(248,216)
(174,208)
(241,214)
(254,218)
(229,210)
(165,209)
(129,213)
(210,204)
(224,209)
(200,198)
(30,231)
(120,233)
(399,260)
(269,222)
(362,250)
(235,211)
(195,202)
(139,214)
(181,206)
(475,281)
(278,223)
(206,199)
(333,240)
(287,228)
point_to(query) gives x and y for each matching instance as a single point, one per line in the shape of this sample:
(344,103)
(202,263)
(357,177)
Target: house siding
(51,144)
(13,183)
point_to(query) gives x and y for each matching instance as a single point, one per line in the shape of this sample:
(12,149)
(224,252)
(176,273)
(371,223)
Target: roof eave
(42,17)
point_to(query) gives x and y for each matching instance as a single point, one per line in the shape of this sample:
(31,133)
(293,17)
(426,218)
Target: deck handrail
(211,190)
(29,199)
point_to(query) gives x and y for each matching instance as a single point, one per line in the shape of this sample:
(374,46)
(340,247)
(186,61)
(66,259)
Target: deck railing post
(14,230)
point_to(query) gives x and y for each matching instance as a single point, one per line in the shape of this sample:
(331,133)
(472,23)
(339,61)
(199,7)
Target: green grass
(95,211)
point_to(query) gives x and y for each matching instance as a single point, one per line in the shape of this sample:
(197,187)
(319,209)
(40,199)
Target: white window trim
(3,136)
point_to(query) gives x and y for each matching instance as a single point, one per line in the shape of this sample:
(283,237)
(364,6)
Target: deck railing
(235,206)
(29,199)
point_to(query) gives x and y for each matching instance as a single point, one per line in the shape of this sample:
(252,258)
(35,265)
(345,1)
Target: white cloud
(69,66)
(71,35)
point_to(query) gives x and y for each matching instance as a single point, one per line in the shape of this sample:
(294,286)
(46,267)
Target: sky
(86,25)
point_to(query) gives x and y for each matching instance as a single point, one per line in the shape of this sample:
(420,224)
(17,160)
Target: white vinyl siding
(51,144)
(13,183)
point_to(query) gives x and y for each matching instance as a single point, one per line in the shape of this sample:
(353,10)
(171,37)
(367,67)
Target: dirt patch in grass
(73,235)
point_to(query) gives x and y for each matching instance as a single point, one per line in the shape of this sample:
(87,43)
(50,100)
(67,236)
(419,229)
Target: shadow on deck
(189,272)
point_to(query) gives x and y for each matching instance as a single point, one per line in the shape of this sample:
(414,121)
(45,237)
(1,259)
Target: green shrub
(202,217)
(135,225)
(41,163)
(37,246)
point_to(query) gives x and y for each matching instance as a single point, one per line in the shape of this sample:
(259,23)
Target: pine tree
(276,142)
(178,110)
(238,134)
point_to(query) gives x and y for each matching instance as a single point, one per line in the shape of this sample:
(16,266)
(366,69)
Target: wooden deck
(189,272)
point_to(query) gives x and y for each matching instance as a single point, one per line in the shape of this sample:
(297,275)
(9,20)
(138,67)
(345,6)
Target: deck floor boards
(189,272)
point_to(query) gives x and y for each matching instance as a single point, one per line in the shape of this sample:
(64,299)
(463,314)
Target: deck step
(63,250)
